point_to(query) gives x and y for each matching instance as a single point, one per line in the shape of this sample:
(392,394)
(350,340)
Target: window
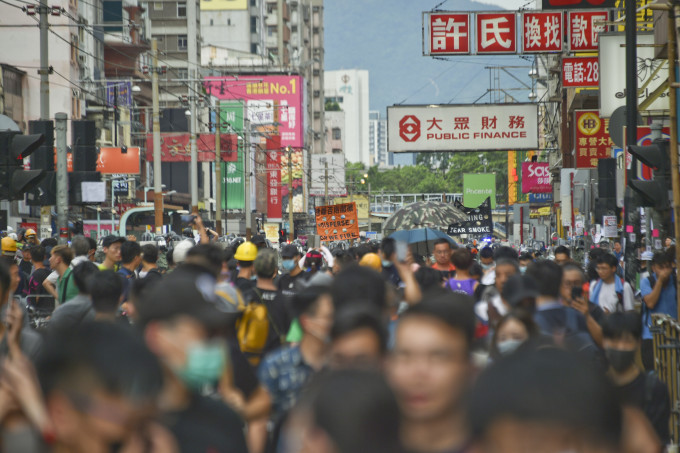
(253,49)
(337,151)
(271,7)
(211,22)
(182,42)
(271,30)
(337,133)
(228,21)
(294,29)
(158,6)
(253,24)
(253,2)
(182,73)
(181,9)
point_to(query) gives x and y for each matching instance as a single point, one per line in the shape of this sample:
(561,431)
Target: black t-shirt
(26,267)
(286,283)
(207,426)
(277,306)
(244,284)
(245,378)
(35,281)
(652,398)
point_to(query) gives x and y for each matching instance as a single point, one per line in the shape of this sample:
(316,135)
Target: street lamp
(147,188)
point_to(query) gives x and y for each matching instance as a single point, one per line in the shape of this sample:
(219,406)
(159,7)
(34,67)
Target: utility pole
(673,23)
(193,74)
(246,167)
(325,184)
(44,64)
(291,223)
(369,206)
(218,170)
(115,114)
(157,180)
(62,176)
(631,131)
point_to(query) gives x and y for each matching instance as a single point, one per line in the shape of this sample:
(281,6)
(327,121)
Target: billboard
(449,34)
(536,177)
(613,72)
(268,100)
(111,161)
(175,147)
(231,118)
(580,72)
(496,33)
(472,127)
(592,139)
(542,32)
(336,175)
(477,187)
(297,162)
(584,28)
(221,5)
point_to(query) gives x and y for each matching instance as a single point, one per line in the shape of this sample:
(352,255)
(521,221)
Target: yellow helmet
(30,232)
(9,246)
(246,252)
(371,260)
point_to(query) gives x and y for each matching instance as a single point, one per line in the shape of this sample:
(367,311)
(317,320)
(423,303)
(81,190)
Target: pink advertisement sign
(536,177)
(268,99)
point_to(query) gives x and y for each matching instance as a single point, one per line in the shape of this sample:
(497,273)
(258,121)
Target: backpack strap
(269,316)
(63,290)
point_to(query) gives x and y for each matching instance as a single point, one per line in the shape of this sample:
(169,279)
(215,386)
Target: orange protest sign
(337,222)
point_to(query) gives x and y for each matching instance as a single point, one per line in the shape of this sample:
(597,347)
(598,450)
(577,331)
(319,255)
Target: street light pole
(218,171)
(157,180)
(291,220)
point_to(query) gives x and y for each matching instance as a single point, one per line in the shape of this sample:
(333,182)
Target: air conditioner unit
(82,59)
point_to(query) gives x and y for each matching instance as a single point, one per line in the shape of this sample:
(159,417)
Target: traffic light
(45,193)
(14,180)
(85,155)
(283,236)
(653,193)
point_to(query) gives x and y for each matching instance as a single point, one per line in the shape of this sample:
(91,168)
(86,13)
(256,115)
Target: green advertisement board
(477,187)
(233,187)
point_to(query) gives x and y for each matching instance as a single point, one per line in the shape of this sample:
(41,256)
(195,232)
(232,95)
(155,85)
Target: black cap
(517,288)
(187,295)
(258,239)
(111,239)
(290,251)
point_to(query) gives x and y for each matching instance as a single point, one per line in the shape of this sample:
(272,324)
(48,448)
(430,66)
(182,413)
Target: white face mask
(486,267)
(507,347)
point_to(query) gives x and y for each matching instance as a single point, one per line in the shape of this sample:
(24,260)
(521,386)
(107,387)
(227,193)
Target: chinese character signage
(580,72)
(462,127)
(536,177)
(584,29)
(578,4)
(592,138)
(449,34)
(496,33)
(267,98)
(542,32)
(477,187)
(274,185)
(337,222)
(119,94)
(297,159)
(546,197)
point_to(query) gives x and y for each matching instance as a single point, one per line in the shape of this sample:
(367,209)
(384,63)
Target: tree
(332,106)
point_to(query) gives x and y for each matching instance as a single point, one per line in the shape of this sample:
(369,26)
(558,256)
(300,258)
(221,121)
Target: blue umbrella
(421,240)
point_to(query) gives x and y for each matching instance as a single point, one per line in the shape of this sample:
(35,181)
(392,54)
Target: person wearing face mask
(512,331)
(285,371)
(524,261)
(183,326)
(290,257)
(621,339)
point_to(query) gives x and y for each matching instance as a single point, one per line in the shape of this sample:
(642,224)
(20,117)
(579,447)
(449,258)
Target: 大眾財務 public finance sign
(462,127)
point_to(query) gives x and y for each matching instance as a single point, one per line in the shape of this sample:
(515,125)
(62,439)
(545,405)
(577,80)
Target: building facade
(349,88)
(377,139)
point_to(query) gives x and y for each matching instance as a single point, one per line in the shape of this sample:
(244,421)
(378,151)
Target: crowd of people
(366,349)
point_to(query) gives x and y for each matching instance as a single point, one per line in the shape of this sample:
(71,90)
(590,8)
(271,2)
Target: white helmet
(13,236)
(179,254)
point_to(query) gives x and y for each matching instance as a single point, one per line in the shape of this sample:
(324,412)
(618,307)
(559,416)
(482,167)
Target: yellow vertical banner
(512,177)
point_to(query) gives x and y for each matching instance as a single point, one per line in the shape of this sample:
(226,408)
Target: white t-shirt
(608,300)
(54,276)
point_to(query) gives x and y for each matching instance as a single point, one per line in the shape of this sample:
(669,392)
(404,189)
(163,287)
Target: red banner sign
(450,34)
(536,177)
(542,32)
(274,185)
(584,28)
(592,138)
(496,33)
(175,147)
(580,72)
(578,4)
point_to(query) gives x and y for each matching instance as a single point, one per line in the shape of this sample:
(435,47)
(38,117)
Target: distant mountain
(385,37)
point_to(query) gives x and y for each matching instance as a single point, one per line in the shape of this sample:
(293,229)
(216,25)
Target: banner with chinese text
(592,138)
(274,185)
(231,119)
(337,222)
(536,177)
(415,128)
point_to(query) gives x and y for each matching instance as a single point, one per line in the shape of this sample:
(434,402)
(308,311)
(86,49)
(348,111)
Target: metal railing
(666,337)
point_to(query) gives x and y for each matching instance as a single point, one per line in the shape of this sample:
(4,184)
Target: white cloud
(510,4)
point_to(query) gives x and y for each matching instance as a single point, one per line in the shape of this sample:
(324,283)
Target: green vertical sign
(231,122)
(477,187)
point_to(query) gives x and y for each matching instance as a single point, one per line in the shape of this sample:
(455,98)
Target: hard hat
(9,246)
(371,260)
(30,232)
(246,252)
